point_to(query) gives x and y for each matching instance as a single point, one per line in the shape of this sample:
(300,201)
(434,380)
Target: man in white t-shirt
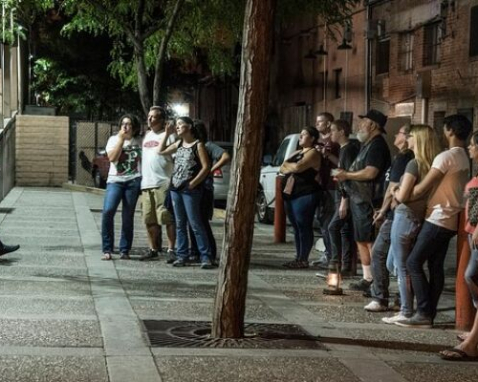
(156,170)
(445,183)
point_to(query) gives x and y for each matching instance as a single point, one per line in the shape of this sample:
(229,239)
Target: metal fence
(86,140)
(7,156)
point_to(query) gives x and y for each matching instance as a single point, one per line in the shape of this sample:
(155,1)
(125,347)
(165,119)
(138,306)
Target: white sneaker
(375,306)
(395,318)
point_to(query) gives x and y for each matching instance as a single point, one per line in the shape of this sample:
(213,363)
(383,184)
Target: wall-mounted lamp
(344,45)
(321,51)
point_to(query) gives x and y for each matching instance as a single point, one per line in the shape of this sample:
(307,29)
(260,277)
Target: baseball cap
(377,117)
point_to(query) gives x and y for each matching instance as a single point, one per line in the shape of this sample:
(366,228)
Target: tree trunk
(142,79)
(158,70)
(230,302)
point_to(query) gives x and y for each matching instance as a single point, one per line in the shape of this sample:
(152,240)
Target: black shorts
(362,215)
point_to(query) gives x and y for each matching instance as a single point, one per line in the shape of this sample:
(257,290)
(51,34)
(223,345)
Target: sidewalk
(68,316)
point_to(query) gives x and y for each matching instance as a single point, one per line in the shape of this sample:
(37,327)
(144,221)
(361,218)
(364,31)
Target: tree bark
(158,70)
(230,302)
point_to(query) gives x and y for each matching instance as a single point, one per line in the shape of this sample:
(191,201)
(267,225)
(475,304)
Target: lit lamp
(333,280)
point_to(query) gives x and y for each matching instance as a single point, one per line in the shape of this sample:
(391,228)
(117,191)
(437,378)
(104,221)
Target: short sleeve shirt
(156,169)
(418,206)
(128,166)
(446,201)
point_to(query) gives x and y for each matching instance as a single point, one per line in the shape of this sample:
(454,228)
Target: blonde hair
(426,147)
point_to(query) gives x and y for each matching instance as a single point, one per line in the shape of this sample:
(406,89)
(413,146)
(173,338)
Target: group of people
(170,167)
(401,214)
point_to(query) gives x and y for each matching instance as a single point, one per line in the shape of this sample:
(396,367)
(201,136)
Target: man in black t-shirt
(364,175)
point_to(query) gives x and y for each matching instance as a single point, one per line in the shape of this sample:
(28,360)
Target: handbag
(289,185)
(473,206)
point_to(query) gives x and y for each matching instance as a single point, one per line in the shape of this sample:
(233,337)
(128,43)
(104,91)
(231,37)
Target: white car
(267,182)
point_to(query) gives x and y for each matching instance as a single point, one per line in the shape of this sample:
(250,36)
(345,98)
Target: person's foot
(4,249)
(463,336)
(416,321)
(375,306)
(170,256)
(107,256)
(152,254)
(206,264)
(296,264)
(125,256)
(179,263)
(457,354)
(363,285)
(397,317)
(321,263)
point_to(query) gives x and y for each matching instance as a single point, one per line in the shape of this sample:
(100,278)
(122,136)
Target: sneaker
(416,321)
(396,305)
(4,249)
(179,263)
(150,255)
(206,264)
(375,306)
(363,285)
(125,256)
(321,263)
(170,256)
(395,318)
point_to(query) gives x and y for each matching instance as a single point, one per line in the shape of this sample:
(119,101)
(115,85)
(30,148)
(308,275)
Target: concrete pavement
(68,316)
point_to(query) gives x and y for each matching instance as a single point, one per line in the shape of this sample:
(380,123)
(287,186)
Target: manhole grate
(196,334)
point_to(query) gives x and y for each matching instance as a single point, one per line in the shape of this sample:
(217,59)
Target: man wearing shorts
(156,170)
(364,175)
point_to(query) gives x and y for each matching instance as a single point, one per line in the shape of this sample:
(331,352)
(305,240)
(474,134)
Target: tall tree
(230,302)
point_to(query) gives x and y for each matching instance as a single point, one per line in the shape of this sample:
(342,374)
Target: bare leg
(365,249)
(154,233)
(171,233)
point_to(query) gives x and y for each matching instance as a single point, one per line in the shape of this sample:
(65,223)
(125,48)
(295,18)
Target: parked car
(223,175)
(265,201)
(100,166)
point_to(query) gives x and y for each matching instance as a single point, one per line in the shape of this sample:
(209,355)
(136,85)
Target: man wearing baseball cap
(363,178)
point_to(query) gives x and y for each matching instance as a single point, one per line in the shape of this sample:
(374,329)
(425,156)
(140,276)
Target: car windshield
(280,155)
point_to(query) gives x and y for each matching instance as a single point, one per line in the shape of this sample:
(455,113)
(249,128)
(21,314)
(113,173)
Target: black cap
(377,117)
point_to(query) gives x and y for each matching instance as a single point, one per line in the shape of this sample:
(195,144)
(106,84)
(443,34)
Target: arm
(402,194)
(171,149)
(310,160)
(368,173)
(203,173)
(432,179)
(387,202)
(225,158)
(115,153)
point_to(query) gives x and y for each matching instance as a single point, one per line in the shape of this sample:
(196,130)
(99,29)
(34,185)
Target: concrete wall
(41,150)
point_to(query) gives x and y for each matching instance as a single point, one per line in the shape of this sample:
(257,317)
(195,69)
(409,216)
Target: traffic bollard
(464,310)
(279,214)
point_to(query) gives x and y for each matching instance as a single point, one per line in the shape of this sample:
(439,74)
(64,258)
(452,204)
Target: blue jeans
(405,228)
(187,209)
(207,211)
(127,193)
(471,274)
(431,246)
(381,277)
(325,211)
(300,212)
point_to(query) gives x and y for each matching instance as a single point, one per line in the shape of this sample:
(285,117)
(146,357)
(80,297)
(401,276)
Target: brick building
(425,59)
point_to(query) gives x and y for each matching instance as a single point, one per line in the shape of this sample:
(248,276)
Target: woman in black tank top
(300,194)
(191,168)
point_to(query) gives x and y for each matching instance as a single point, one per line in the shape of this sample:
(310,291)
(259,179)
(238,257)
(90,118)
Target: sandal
(454,354)
(107,257)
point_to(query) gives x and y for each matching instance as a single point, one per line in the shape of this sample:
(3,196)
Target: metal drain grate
(5,210)
(196,334)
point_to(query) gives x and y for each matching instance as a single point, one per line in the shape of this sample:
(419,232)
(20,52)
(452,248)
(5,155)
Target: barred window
(406,52)
(432,44)
(382,59)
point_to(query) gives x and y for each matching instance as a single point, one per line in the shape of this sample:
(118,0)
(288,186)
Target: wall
(41,150)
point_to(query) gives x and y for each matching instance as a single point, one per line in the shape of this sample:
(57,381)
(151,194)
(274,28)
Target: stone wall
(41,150)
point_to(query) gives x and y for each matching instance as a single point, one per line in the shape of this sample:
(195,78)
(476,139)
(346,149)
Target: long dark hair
(313,132)
(136,126)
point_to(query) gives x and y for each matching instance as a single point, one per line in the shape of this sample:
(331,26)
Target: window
(382,58)
(280,155)
(474,31)
(406,52)
(338,88)
(432,44)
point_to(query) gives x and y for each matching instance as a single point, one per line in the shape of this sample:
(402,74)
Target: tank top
(305,182)
(186,166)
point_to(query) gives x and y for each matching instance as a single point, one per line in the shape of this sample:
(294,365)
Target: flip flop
(107,257)
(454,354)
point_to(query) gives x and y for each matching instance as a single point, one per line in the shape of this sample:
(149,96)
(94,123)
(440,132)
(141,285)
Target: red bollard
(279,214)
(464,310)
